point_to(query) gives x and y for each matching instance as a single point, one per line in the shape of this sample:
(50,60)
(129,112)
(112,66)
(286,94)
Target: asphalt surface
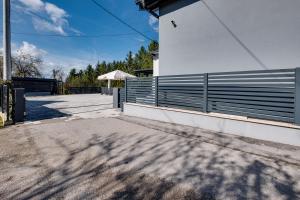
(92,151)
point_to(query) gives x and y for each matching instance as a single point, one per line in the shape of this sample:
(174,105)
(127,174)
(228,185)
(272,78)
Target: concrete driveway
(81,106)
(110,156)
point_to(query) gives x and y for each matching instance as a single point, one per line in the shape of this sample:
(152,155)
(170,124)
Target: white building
(206,36)
(226,35)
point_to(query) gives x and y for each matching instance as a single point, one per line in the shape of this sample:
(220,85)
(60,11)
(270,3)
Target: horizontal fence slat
(180,91)
(279,104)
(184,86)
(252,80)
(181,82)
(137,96)
(195,104)
(265,99)
(182,75)
(182,98)
(180,79)
(252,76)
(175,103)
(142,92)
(254,89)
(267,108)
(266,94)
(277,85)
(254,72)
(185,107)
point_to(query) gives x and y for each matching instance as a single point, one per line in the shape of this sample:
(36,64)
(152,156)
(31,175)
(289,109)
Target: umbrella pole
(108,83)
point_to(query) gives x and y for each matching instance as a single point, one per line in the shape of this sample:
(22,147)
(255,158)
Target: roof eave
(152,5)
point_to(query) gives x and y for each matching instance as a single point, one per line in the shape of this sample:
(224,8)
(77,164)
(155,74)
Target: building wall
(155,66)
(261,34)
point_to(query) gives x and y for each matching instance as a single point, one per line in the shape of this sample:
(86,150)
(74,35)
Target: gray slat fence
(268,94)
(141,90)
(181,91)
(263,94)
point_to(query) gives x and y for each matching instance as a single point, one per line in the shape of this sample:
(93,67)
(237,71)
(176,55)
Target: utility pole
(6,41)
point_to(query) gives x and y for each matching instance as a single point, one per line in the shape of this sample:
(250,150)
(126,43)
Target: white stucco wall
(223,125)
(199,43)
(155,66)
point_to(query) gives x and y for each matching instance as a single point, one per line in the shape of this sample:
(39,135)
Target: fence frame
(286,80)
(297,96)
(156,91)
(205,93)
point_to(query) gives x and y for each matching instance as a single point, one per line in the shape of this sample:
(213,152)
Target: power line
(122,21)
(75,36)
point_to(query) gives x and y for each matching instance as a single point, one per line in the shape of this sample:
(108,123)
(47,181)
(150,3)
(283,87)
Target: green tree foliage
(88,77)
(130,64)
(101,68)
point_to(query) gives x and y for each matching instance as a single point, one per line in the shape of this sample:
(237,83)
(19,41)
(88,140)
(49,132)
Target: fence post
(8,102)
(156,91)
(1,99)
(125,92)
(297,96)
(4,100)
(205,93)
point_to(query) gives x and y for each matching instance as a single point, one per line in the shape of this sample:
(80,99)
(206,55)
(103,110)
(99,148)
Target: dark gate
(37,85)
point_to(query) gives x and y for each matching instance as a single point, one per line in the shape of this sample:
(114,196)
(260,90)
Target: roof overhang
(152,5)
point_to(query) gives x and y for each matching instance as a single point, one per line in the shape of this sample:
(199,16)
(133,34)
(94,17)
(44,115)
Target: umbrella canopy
(115,75)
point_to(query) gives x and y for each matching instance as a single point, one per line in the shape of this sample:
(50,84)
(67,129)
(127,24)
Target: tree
(143,59)
(153,46)
(72,73)
(101,68)
(58,74)
(88,77)
(26,65)
(80,73)
(129,62)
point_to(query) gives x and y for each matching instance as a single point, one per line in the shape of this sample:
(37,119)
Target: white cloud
(53,19)
(45,26)
(28,48)
(36,5)
(153,22)
(56,14)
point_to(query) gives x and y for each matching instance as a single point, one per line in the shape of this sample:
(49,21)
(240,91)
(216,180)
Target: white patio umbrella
(115,75)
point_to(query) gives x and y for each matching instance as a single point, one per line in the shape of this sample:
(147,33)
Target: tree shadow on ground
(37,110)
(115,166)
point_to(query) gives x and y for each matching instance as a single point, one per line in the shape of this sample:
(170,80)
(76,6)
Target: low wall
(259,129)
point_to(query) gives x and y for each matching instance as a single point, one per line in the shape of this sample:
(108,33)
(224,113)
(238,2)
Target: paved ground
(69,107)
(109,156)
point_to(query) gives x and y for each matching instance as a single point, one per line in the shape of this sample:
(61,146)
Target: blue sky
(33,18)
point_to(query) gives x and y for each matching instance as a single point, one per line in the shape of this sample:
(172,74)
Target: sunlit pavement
(79,155)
